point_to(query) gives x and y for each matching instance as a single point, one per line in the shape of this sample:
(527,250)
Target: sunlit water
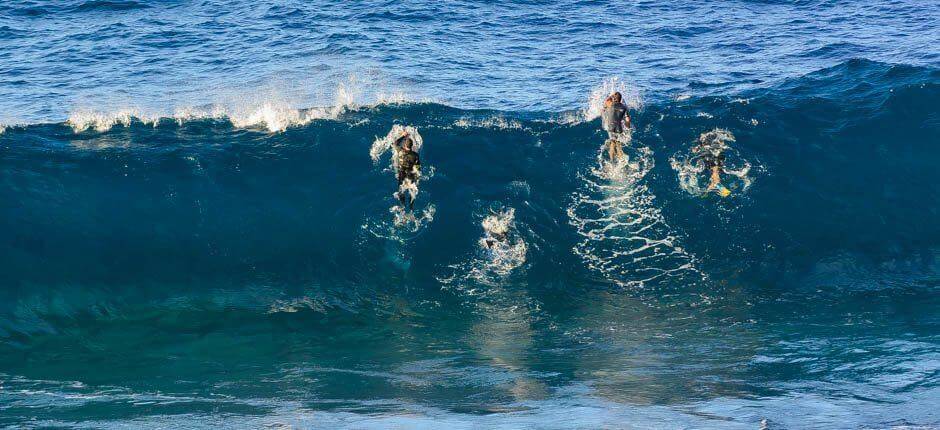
(198,227)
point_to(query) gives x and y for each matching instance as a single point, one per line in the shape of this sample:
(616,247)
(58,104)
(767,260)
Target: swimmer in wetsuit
(712,155)
(409,169)
(495,238)
(617,123)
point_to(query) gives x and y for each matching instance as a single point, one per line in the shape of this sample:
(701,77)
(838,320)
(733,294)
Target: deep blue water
(194,234)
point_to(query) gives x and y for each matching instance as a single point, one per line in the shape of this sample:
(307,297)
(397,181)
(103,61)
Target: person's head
(407,144)
(616,97)
(709,139)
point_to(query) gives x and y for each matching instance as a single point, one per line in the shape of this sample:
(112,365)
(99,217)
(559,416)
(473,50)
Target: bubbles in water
(501,250)
(505,251)
(495,122)
(635,163)
(624,234)
(409,221)
(403,225)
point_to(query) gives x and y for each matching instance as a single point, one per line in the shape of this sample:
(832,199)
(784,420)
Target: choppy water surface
(159,56)
(198,225)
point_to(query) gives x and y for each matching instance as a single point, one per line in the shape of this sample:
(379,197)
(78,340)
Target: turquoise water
(196,228)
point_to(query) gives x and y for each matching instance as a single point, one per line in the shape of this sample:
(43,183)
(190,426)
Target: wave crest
(268,110)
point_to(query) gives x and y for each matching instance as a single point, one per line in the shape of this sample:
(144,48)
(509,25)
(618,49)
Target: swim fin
(723,191)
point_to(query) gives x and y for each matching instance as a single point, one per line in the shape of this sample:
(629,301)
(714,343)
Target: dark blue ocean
(198,227)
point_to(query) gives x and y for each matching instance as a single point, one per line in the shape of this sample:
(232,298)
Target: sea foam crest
(494,122)
(267,110)
(88,119)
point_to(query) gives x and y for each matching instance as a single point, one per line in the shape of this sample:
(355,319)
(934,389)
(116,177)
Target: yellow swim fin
(723,191)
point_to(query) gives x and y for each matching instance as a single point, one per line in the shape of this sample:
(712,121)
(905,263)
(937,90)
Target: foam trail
(506,251)
(501,251)
(624,235)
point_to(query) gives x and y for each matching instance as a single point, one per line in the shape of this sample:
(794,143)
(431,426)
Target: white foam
(504,255)
(498,223)
(495,122)
(272,108)
(381,145)
(84,119)
(6,124)
(595,103)
(691,171)
(625,237)
(409,221)
(501,251)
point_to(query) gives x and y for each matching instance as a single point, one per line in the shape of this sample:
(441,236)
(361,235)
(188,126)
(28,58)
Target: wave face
(179,271)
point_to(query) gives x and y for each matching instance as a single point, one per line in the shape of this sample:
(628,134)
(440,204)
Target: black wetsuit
(613,117)
(496,238)
(711,158)
(409,164)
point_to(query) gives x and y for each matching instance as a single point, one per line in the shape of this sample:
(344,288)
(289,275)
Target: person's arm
(626,121)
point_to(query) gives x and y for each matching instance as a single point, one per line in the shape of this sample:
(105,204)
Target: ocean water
(198,226)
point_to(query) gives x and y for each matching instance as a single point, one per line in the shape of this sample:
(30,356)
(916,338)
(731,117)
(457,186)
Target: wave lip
(264,109)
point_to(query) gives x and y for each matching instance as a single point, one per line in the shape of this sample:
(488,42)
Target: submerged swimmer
(496,229)
(616,122)
(711,152)
(494,239)
(409,170)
